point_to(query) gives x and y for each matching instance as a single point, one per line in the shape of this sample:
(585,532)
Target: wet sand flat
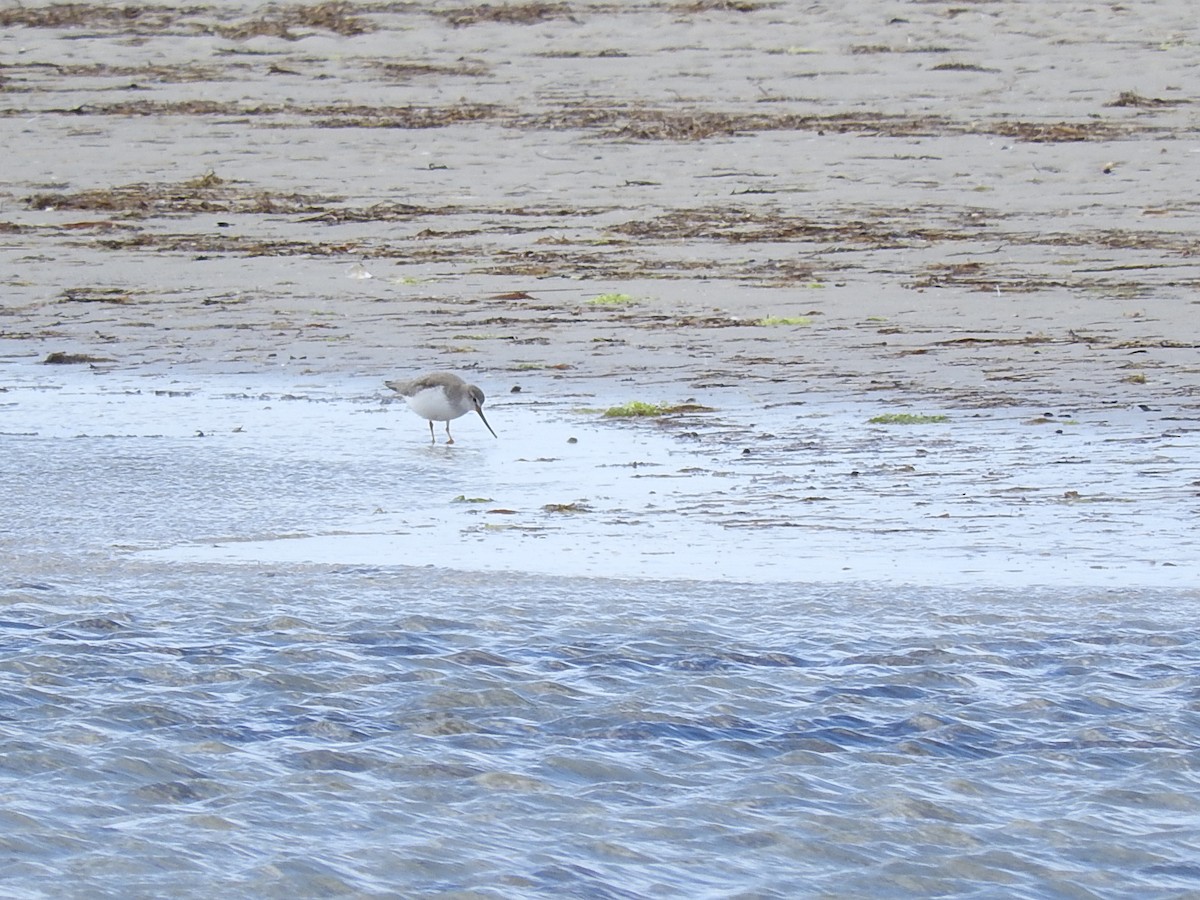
(987,204)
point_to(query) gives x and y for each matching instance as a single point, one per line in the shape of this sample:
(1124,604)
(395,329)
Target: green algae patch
(638,409)
(634,410)
(531,366)
(612,300)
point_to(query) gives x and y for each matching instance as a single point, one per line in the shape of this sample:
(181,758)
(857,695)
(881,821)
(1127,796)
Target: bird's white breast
(432,404)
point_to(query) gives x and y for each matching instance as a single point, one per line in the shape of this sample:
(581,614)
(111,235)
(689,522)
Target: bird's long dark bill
(485,422)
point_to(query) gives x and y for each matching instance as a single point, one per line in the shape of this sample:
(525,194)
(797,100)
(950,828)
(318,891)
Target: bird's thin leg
(432,439)
(449,439)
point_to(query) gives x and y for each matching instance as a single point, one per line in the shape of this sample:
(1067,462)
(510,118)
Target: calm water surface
(175,725)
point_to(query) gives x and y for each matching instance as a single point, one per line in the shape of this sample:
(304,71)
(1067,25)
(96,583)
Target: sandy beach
(979,205)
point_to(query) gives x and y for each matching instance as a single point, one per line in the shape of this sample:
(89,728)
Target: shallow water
(253,643)
(291,470)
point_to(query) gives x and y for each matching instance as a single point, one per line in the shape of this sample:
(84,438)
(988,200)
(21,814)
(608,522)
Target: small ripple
(333,761)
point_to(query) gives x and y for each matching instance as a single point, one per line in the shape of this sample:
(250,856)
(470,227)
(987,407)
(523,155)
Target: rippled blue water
(375,732)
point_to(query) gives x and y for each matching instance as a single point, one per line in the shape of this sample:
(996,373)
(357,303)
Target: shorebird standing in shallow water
(440,397)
